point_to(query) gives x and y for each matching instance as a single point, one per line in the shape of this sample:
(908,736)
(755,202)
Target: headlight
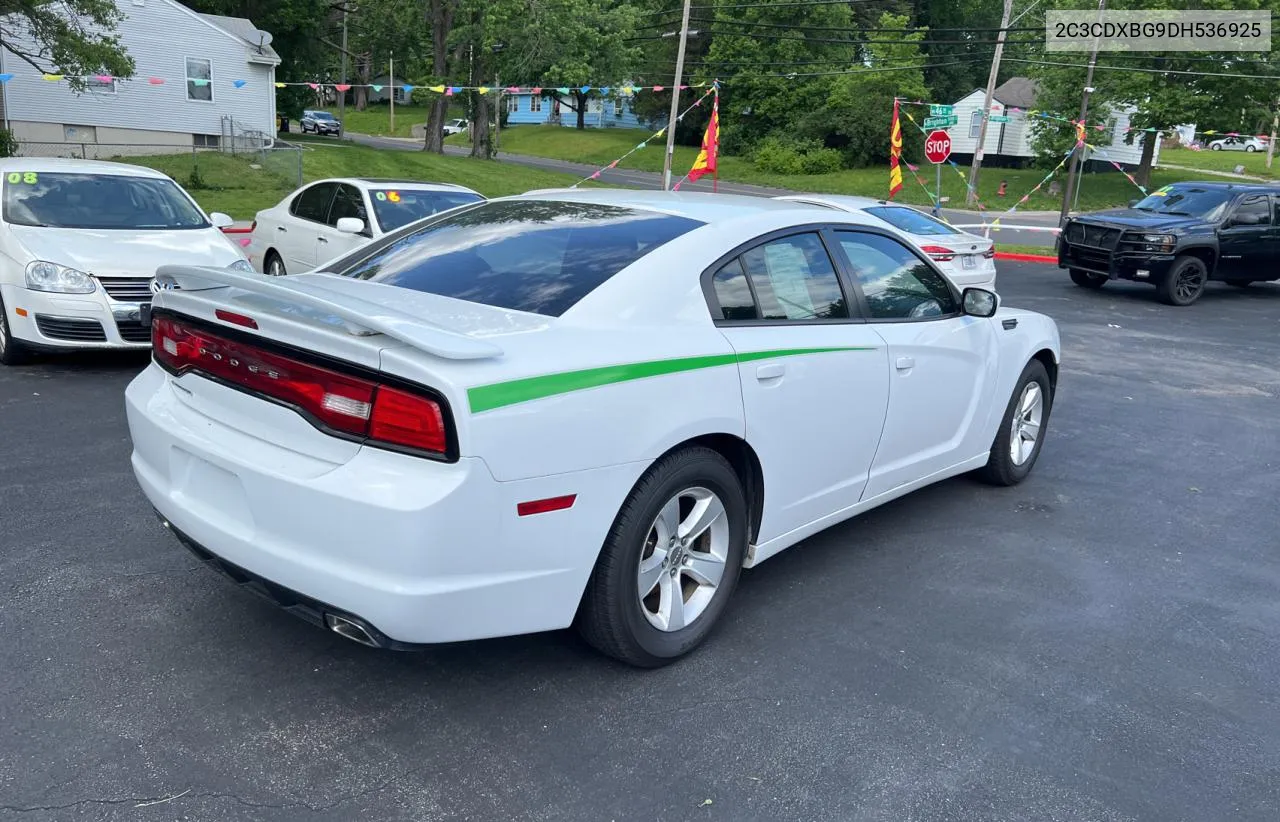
(241,265)
(1159,239)
(43,276)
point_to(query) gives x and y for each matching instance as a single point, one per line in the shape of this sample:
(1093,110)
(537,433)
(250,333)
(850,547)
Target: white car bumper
(417,551)
(981,275)
(70,321)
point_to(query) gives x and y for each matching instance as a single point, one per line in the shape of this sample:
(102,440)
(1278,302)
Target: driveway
(1100,643)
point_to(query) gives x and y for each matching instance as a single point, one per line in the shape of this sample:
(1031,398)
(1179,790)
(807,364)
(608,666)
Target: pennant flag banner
(895,152)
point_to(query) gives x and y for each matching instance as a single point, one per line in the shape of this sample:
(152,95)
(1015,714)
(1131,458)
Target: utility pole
(1271,144)
(497,110)
(675,98)
(1072,170)
(391,92)
(972,193)
(342,95)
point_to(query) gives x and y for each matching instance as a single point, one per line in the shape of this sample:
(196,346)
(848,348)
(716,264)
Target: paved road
(1100,643)
(649,179)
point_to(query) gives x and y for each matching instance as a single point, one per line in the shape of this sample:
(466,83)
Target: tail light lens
(939,253)
(342,404)
(253,226)
(990,253)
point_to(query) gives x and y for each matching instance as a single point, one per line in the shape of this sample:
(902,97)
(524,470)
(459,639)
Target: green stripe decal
(500,394)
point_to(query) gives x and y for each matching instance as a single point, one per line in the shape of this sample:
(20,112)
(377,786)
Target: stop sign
(937,146)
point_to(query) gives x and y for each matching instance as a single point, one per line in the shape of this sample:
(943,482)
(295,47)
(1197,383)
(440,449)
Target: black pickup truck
(1178,239)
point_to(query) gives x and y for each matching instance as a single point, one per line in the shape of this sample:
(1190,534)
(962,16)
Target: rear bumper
(73,321)
(417,551)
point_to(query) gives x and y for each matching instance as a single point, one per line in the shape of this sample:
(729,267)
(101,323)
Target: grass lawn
(376,119)
(1254,162)
(241,185)
(600,147)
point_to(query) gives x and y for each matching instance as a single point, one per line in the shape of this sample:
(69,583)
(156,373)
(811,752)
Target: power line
(863,70)
(770,5)
(843,29)
(1150,70)
(828,40)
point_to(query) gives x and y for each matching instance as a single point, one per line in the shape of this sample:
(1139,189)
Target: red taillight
(236,319)
(938,253)
(990,253)
(340,402)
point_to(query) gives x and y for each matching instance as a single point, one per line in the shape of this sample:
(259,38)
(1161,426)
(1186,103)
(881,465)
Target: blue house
(526,108)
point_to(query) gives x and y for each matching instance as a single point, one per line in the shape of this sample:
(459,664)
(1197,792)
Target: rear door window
(313,203)
(539,256)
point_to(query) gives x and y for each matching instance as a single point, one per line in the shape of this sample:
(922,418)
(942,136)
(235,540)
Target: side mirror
(979,302)
(350,225)
(221,220)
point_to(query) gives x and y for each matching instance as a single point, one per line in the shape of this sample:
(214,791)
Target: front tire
(12,351)
(1026,419)
(1086,280)
(1184,282)
(1216,148)
(670,563)
(1250,149)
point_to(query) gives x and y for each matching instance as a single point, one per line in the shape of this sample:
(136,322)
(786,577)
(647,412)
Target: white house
(199,80)
(1012,140)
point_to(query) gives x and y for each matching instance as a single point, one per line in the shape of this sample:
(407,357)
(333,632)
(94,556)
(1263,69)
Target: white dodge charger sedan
(79,244)
(329,218)
(968,259)
(588,408)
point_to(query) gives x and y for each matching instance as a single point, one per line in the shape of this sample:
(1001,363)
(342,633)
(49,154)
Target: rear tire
(1022,428)
(679,494)
(1250,149)
(1184,282)
(1086,280)
(12,351)
(272,265)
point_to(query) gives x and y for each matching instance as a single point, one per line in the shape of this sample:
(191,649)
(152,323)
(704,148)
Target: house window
(617,108)
(975,125)
(204,140)
(397,94)
(535,103)
(513,104)
(100,87)
(593,106)
(199,79)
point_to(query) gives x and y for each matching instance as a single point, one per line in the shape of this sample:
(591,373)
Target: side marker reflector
(542,506)
(21,312)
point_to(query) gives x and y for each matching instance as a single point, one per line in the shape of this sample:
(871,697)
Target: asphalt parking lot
(1100,643)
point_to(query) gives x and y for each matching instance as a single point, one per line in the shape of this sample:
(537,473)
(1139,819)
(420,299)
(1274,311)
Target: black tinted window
(898,285)
(527,255)
(910,220)
(1253,211)
(795,280)
(733,293)
(313,203)
(395,208)
(347,202)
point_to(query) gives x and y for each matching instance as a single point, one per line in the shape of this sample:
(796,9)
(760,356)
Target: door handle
(282,228)
(322,239)
(772,371)
(905,363)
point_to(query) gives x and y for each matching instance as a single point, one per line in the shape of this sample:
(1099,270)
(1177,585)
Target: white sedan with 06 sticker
(588,408)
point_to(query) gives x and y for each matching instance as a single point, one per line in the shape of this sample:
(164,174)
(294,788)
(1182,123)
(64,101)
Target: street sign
(937,146)
(936,110)
(940,122)
(999,118)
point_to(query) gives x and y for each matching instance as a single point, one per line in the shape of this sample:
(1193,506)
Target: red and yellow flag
(895,152)
(706,162)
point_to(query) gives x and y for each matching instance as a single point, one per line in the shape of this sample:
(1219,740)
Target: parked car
(969,260)
(320,122)
(329,218)
(457,126)
(591,407)
(79,244)
(1179,239)
(1236,143)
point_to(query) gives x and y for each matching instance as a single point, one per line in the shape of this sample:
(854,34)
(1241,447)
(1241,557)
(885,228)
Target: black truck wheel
(1084,279)
(1184,282)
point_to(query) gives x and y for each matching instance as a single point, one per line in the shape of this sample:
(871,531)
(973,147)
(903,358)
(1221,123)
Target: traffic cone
(1003,188)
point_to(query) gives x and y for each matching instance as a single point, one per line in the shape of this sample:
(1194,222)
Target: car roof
(701,206)
(837,200)
(72,166)
(421,185)
(1225,186)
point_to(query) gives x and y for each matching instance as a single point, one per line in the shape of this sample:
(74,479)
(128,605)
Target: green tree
(70,37)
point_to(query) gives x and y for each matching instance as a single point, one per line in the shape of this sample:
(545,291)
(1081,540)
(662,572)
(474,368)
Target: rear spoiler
(360,317)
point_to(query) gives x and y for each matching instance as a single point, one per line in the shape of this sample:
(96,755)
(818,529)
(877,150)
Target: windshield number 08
(29,177)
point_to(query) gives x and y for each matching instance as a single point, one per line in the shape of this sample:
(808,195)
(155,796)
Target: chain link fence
(212,166)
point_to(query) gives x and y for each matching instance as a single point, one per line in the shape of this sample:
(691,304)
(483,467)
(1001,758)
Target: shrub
(8,143)
(777,155)
(823,161)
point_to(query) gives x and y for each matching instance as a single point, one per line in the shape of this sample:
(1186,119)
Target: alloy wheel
(1026,423)
(1189,283)
(683,559)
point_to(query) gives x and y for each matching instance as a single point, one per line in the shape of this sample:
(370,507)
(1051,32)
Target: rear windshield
(396,208)
(911,221)
(527,255)
(100,201)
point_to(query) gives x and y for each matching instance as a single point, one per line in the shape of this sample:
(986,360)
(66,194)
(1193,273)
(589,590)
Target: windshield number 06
(29,177)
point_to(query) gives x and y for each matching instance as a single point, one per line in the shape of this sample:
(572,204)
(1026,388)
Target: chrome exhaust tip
(350,629)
